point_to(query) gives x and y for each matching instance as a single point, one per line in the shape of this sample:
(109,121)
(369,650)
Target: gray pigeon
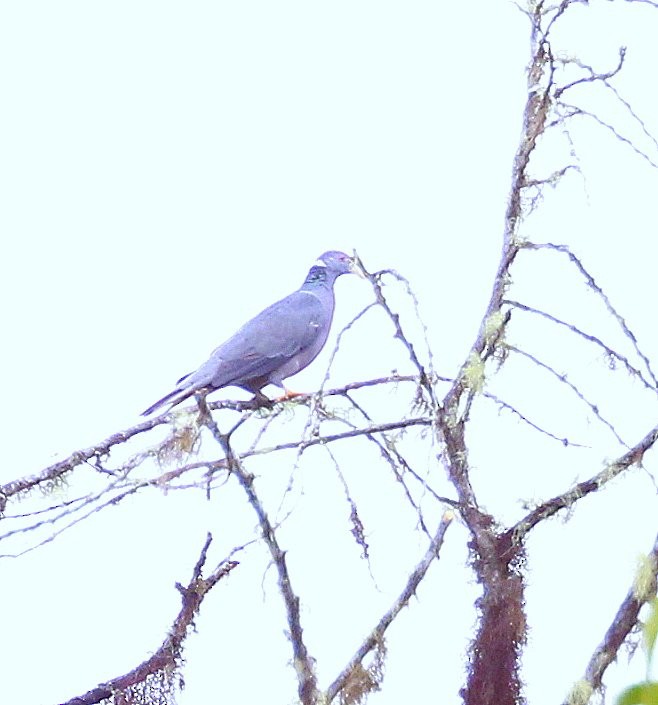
(279,342)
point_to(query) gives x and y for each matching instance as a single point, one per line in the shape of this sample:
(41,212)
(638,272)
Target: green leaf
(640,694)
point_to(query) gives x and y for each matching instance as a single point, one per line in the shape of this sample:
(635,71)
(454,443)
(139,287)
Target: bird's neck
(318,277)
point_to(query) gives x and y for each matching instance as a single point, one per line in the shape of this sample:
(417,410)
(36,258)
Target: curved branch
(165,661)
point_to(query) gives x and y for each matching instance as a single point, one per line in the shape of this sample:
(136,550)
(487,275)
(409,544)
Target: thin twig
(376,636)
(564,380)
(589,337)
(591,282)
(508,407)
(575,111)
(592,76)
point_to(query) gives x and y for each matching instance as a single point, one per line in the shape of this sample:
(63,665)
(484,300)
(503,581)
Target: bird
(277,343)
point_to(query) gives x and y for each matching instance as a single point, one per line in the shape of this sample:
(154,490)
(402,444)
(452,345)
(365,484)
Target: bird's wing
(269,340)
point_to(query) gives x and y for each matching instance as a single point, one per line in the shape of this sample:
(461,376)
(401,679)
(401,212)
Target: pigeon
(279,342)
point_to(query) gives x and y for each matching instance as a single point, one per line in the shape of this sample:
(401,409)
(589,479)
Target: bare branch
(53,472)
(424,376)
(562,378)
(591,282)
(376,637)
(348,326)
(390,452)
(633,114)
(575,111)
(625,620)
(160,669)
(303,662)
(613,354)
(508,407)
(592,76)
(358,530)
(582,489)
(52,475)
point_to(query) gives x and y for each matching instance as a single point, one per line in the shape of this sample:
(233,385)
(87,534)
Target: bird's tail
(175,397)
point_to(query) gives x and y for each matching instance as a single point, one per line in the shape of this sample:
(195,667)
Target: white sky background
(168,170)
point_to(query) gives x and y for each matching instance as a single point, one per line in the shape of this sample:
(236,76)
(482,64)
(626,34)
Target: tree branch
(159,670)
(353,675)
(582,489)
(303,662)
(624,621)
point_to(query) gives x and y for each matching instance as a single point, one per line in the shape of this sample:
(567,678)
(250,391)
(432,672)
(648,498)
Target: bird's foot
(259,401)
(289,394)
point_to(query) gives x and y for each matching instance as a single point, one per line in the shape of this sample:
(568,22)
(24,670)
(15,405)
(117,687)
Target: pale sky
(170,169)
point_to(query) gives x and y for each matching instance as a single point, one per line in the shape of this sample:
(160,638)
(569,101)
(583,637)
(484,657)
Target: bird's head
(337,263)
